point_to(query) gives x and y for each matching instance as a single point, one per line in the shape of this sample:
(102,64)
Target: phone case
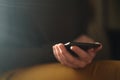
(84,46)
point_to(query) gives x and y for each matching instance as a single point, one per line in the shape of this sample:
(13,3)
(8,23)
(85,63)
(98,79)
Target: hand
(84,57)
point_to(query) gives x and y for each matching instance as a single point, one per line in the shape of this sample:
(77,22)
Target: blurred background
(20,39)
(108,16)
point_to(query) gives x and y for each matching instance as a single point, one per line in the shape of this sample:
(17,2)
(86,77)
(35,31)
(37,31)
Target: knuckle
(61,52)
(72,61)
(84,57)
(89,61)
(82,65)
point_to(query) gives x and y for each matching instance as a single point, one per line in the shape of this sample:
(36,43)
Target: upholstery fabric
(100,70)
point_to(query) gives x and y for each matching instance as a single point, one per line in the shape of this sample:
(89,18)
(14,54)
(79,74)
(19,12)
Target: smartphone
(82,45)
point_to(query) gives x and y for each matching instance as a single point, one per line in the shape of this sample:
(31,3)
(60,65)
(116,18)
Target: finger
(99,48)
(92,54)
(55,52)
(81,53)
(72,60)
(62,58)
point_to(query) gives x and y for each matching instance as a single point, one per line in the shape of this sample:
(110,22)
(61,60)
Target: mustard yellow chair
(99,70)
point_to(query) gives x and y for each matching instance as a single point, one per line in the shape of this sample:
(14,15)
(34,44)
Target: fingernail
(71,47)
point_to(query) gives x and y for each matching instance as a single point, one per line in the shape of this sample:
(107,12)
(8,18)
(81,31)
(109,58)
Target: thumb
(99,48)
